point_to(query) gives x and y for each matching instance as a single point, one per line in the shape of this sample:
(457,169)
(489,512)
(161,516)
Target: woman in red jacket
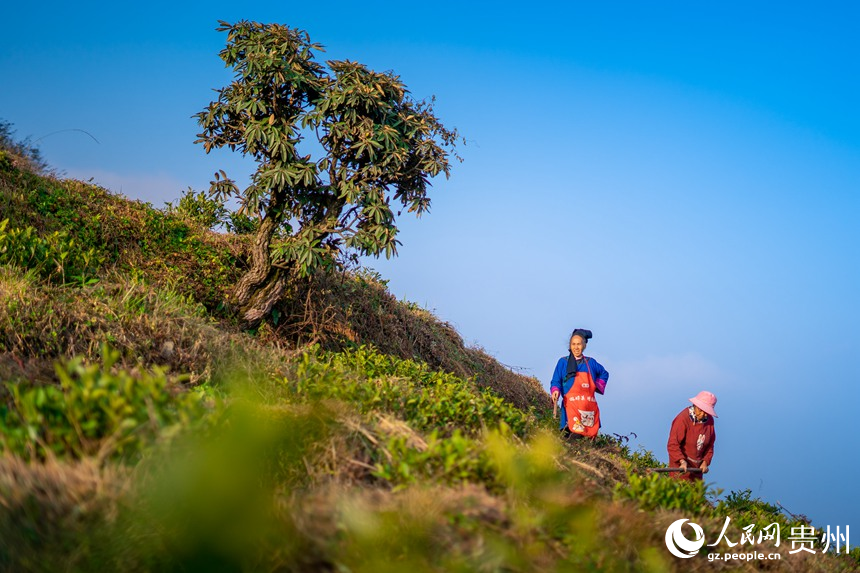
(692,437)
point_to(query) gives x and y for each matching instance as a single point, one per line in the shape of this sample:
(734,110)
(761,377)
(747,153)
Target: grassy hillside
(143,430)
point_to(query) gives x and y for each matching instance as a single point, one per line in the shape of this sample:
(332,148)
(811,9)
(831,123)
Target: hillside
(143,429)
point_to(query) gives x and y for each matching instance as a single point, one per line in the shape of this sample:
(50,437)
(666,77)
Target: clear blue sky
(681,178)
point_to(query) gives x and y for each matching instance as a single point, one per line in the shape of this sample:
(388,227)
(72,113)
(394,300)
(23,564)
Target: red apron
(583,415)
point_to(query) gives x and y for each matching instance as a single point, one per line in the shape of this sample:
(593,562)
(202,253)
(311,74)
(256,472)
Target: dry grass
(49,508)
(149,326)
(64,491)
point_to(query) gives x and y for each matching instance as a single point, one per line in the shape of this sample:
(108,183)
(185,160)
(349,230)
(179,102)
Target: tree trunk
(263,285)
(261,263)
(264,298)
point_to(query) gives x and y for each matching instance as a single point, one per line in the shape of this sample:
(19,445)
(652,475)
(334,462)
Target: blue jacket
(598,372)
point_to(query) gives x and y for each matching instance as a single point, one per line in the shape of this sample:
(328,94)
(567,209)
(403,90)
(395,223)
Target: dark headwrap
(585,334)
(573,363)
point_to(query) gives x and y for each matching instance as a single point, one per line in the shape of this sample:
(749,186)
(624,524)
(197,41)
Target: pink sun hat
(705,401)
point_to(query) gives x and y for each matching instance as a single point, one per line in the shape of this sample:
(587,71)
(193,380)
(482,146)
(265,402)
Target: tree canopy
(339,148)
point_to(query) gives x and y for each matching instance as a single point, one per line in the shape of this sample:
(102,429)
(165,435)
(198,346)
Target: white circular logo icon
(680,546)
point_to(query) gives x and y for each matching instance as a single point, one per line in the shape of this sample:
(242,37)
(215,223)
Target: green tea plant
(745,509)
(426,399)
(55,257)
(527,469)
(652,491)
(449,459)
(643,458)
(449,415)
(95,410)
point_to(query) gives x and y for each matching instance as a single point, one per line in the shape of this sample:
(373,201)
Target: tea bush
(94,411)
(56,257)
(449,459)
(742,507)
(652,491)
(643,458)
(428,400)
(445,416)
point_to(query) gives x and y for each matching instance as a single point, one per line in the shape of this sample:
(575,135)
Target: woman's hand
(704,467)
(683,465)
(555,395)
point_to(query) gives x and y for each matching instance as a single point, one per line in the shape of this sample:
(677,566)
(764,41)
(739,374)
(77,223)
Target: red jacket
(693,441)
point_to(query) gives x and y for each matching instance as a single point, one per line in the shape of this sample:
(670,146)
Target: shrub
(449,459)
(427,399)
(6,161)
(55,257)
(93,411)
(643,458)
(652,491)
(199,208)
(19,154)
(741,506)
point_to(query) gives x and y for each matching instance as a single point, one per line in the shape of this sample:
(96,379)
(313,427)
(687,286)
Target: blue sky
(680,178)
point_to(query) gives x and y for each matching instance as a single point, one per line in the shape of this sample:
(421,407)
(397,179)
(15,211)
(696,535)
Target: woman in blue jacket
(577,378)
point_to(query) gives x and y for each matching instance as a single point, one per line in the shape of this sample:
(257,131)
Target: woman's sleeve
(709,453)
(558,376)
(676,436)
(601,377)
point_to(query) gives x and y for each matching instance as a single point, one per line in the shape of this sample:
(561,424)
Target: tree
(335,145)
